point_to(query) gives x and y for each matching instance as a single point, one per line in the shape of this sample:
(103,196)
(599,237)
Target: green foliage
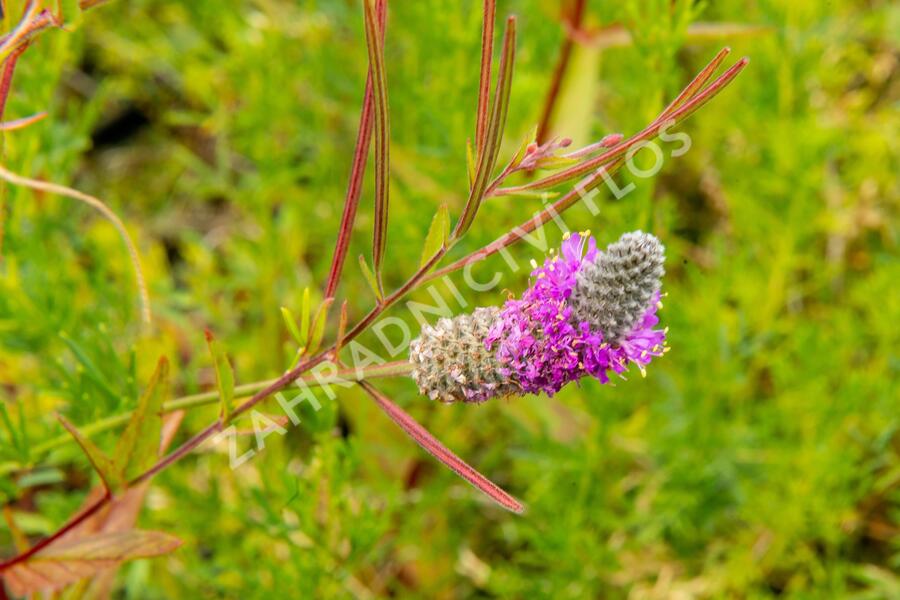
(759,458)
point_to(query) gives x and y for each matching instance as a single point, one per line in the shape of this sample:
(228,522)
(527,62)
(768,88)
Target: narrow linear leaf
(138,448)
(487,158)
(291,324)
(523,148)
(484,80)
(434,447)
(342,328)
(357,172)
(318,325)
(686,103)
(382,135)
(470,163)
(224,375)
(19,538)
(104,465)
(370,278)
(90,369)
(438,234)
(305,312)
(64,562)
(11,430)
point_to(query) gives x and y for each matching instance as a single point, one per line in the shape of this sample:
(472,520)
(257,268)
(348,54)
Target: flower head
(586,313)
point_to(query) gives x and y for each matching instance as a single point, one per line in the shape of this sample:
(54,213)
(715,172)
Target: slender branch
(668,117)
(98,204)
(391,369)
(484,82)
(603,166)
(357,172)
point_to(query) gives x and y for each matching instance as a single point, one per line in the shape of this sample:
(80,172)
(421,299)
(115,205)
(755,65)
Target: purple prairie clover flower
(586,313)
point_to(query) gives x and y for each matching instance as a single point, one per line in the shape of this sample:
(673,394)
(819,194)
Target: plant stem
(208,398)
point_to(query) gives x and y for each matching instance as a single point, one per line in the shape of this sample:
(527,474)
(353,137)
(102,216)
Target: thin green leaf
(291,324)
(138,448)
(342,329)
(523,148)
(104,465)
(305,312)
(438,234)
(90,369)
(318,326)
(470,163)
(13,434)
(224,374)
(370,278)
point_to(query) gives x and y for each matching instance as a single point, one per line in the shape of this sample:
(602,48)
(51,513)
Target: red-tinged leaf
(357,172)
(698,81)
(441,452)
(484,82)
(138,447)
(120,515)
(679,110)
(487,158)
(382,138)
(60,564)
(224,375)
(109,472)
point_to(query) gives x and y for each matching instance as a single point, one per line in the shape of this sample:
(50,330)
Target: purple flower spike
(586,313)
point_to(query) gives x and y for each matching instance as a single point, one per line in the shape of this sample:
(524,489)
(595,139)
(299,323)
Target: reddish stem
(357,171)
(9,68)
(650,131)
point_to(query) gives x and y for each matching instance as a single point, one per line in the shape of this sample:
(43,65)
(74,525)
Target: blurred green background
(760,458)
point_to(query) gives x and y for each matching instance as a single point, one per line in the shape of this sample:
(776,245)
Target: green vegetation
(760,458)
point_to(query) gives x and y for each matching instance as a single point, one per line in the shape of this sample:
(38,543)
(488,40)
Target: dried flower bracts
(586,313)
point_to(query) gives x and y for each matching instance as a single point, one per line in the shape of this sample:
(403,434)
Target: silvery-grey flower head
(452,364)
(615,289)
